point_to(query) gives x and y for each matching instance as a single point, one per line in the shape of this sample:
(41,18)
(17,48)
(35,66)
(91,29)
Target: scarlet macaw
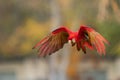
(84,37)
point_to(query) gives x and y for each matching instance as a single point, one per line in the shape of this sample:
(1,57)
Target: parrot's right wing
(53,42)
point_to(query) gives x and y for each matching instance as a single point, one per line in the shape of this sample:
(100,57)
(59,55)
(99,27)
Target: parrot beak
(72,42)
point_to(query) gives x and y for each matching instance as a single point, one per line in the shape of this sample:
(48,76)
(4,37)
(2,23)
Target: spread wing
(53,42)
(88,37)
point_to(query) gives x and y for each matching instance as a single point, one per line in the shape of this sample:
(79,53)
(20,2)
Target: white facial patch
(69,41)
(72,41)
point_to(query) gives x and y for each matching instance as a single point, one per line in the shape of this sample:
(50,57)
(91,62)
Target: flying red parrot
(84,37)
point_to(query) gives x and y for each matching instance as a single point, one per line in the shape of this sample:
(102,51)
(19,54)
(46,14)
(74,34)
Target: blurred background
(24,22)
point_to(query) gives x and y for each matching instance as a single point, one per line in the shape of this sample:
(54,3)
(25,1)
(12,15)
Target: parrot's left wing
(88,37)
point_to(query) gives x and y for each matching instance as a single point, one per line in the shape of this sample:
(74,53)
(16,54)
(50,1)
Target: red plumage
(85,37)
